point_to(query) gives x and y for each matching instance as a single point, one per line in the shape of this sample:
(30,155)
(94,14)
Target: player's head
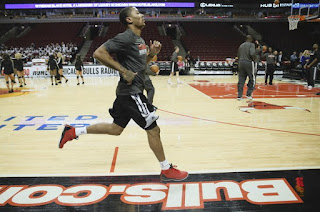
(132,16)
(249,38)
(18,56)
(78,57)
(5,56)
(176,49)
(315,46)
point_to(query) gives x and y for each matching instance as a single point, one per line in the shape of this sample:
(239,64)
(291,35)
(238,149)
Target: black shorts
(134,107)
(174,67)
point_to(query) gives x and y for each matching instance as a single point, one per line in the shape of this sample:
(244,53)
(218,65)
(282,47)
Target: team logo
(189,195)
(256,105)
(142,49)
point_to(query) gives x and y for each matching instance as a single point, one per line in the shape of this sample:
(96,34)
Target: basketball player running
(246,55)
(79,66)
(174,65)
(130,103)
(311,66)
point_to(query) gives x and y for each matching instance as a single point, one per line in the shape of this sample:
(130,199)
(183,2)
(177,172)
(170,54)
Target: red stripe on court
(114,160)
(240,125)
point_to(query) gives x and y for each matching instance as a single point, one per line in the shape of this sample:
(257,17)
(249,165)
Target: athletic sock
(81,130)
(165,165)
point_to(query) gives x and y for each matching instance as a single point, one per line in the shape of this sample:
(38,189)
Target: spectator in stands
(60,66)
(304,59)
(79,67)
(174,65)
(293,60)
(246,55)
(235,66)
(18,66)
(52,67)
(188,61)
(270,67)
(280,58)
(311,66)
(7,67)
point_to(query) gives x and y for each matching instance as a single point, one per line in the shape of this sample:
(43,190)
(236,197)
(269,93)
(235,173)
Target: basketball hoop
(294,20)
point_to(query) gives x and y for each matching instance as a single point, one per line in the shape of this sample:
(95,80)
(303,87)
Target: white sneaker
(239,98)
(309,87)
(151,118)
(179,82)
(249,97)
(169,82)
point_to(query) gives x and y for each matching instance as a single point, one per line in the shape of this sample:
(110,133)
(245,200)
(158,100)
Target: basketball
(180,58)
(276,2)
(264,48)
(155,69)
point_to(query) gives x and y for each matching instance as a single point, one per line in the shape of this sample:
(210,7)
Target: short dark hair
(124,13)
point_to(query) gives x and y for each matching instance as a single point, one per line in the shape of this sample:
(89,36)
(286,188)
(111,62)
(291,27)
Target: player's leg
(6,77)
(272,68)
(78,73)
(11,76)
(242,75)
(171,72)
(121,118)
(142,112)
(81,77)
(251,74)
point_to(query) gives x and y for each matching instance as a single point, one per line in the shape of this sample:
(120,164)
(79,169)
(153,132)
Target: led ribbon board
(101,5)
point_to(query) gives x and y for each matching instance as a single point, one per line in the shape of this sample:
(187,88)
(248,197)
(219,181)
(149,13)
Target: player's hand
(129,76)
(305,66)
(155,47)
(308,66)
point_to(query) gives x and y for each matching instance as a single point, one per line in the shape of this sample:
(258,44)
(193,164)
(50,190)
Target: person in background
(7,66)
(293,60)
(270,67)
(304,60)
(188,61)
(311,66)
(60,67)
(18,66)
(52,68)
(79,68)
(174,65)
(246,55)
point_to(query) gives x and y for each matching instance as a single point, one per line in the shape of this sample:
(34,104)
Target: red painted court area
(279,90)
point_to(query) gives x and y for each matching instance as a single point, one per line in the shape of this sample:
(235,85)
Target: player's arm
(105,58)
(313,62)
(252,52)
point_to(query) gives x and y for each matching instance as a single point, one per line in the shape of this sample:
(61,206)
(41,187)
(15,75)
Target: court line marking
(305,92)
(158,173)
(114,160)
(239,125)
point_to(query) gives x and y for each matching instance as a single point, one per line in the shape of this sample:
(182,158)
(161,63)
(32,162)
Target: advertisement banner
(69,71)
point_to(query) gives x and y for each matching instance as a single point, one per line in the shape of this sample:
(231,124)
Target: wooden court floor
(201,130)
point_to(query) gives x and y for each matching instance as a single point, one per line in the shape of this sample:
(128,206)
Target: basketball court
(204,130)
